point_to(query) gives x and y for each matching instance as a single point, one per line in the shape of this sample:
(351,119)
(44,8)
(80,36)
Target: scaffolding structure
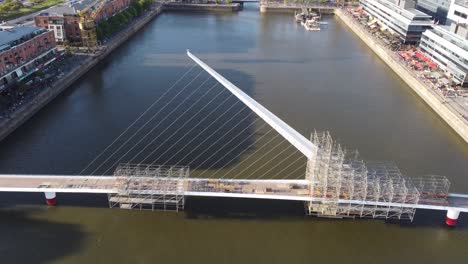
(150,187)
(347,187)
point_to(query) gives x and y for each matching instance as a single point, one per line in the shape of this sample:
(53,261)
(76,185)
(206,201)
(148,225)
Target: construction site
(334,187)
(353,188)
(149,187)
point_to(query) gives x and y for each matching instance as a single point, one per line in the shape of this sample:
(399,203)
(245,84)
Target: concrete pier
(51,198)
(452,217)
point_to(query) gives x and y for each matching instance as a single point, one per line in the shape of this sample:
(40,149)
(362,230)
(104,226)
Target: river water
(326,80)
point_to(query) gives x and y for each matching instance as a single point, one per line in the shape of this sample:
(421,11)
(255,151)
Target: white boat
(311,25)
(314,15)
(299,17)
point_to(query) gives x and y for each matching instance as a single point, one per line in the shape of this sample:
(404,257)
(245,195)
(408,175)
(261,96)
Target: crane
(87,24)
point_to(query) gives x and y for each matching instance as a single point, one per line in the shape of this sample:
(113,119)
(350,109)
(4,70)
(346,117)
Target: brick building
(64,20)
(20,48)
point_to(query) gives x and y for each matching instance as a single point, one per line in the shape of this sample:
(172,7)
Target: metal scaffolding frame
(342,187)
(150,187)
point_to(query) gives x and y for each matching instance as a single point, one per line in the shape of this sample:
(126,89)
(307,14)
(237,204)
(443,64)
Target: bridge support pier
(51,198)
(452,217)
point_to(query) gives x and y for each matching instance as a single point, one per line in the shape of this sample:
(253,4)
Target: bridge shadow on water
(28,239)
(432,219)
(66,199)
(243,209)
(258,209)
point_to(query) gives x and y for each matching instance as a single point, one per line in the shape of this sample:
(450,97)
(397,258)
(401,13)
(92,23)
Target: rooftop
(445,33)
(463,3)
(9,34)
(417,13)
(72,7)
(59,10)
(410,13)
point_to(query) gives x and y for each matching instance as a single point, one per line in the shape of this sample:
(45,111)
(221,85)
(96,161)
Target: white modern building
(437,9)
(448,46)
(458,12)
(400,17)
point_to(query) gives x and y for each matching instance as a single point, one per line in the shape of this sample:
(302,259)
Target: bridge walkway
(295,190)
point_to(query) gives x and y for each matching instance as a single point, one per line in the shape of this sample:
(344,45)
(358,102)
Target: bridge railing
(307,4)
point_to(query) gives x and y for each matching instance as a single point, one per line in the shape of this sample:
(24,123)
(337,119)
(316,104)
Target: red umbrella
(432,64)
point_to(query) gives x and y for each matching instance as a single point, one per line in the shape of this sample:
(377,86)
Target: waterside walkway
(450,111)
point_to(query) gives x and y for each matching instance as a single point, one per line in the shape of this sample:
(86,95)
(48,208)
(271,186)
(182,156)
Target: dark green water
(325,80)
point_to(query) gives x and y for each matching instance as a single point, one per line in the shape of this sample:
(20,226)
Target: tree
(136,5)
(127,15)
(10,5)
(99,33)
(132,11)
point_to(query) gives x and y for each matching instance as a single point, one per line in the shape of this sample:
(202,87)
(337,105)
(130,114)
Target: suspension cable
(238,154)
(121,146)
(157,125)
(134,122)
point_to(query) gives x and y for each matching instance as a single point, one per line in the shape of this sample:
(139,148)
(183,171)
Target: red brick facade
(26,51)
(111,8)
(71,22)
(71,25)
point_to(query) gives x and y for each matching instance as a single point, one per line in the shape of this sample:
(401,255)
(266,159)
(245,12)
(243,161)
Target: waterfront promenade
(449,110)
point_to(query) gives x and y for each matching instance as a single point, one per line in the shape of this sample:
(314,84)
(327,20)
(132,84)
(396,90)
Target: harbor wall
(203,7)
(450,116)
(28,110)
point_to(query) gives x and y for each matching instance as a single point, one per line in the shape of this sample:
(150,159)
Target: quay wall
(203,7)
(451,117)
(29,109)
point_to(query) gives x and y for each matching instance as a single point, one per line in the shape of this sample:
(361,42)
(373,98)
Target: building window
(460,14)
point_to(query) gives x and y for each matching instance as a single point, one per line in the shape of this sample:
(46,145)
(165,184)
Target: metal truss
(348,187)
(150,187)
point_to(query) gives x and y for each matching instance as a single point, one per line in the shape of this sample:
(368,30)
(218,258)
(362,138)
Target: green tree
(99,33)
(132,11)
(10,5)
(136,5)
(128,15)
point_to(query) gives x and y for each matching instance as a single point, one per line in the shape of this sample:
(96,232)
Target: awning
(419,55)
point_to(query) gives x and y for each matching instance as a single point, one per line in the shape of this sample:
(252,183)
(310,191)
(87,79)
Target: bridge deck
(235,188)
